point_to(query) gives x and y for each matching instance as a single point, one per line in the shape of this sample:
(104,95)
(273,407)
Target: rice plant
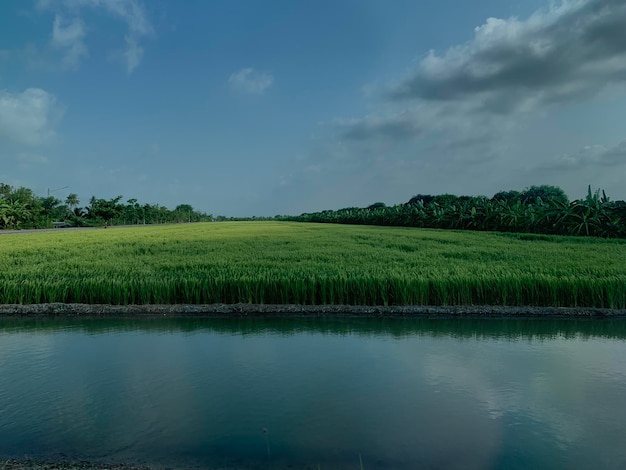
(298,263)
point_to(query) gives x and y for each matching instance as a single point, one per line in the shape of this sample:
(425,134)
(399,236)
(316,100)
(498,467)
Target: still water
(316,393)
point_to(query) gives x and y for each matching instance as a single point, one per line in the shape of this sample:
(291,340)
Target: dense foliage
(538,209)
(21,208)
(294,263)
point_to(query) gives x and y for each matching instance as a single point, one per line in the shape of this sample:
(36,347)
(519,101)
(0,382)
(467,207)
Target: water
(317,393)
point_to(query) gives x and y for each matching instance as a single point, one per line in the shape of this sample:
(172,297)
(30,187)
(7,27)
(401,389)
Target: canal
(318,393)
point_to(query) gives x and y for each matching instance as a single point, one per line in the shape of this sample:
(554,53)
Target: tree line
(20,208)
(538,209)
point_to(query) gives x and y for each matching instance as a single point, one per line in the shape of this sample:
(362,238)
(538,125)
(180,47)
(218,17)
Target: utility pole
(51,191)
(58,189)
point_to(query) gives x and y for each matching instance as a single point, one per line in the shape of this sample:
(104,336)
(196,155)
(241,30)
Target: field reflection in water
(401,393)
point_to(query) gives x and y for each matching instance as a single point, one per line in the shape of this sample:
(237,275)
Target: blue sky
(282,107)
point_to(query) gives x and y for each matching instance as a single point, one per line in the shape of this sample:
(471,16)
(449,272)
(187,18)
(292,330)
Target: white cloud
(70,34)
(561,54)
(250,80)
(133,13)
(467,103)
(27,117)
(133,53)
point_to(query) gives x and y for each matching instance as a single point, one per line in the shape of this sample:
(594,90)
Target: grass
(282,262)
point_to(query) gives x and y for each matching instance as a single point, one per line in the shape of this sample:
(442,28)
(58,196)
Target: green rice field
(302,263)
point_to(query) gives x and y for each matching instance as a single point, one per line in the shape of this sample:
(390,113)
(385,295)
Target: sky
(265,107)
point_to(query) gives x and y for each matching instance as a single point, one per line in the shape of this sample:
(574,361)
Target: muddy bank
(14,464)
(28,464)
(242,310)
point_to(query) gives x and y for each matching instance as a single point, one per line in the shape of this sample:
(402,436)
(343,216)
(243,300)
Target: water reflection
(403,393)
(397,327)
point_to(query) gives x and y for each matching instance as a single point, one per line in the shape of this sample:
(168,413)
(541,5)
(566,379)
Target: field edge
(271,310)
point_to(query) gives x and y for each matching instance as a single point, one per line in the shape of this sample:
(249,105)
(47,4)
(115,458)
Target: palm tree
(72,201)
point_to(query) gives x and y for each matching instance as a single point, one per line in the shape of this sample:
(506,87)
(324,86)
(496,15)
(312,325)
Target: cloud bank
(562,54)
(565,54)
(466,120)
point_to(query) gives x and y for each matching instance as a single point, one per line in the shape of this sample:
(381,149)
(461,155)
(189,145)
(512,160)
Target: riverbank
(258,310)
(27,464)
(15,464)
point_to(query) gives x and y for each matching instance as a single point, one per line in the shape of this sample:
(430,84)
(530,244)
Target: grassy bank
(279,262)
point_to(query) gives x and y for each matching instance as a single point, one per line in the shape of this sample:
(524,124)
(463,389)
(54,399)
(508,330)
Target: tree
(72,201)
(547,193)
(132,211)
(50,203)
(445,199)
(51,208)
(104,209)
(13,213)
(425,198)
(512,196)
(5,190)
(183,213)
(23,195)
